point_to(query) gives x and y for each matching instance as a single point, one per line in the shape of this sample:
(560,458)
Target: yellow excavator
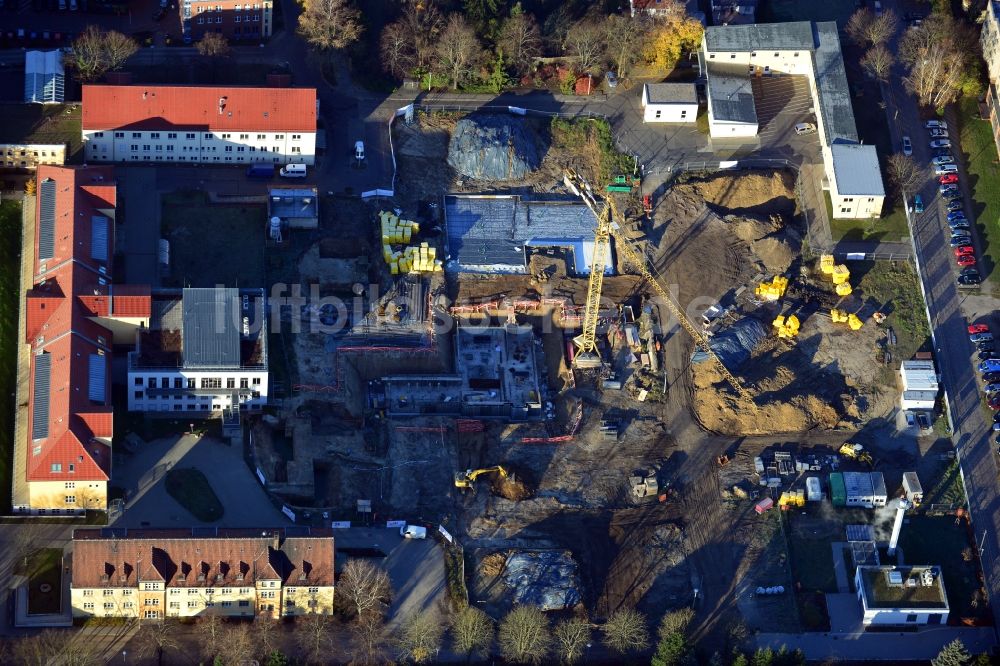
(467,478)
(857,452)
(608,218)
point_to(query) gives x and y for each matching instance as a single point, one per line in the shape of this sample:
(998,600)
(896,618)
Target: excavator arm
(467,478)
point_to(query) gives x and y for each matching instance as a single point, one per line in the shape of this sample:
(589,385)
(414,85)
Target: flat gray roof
(831,86)
(492,230)
(856,169)
(671,93)
(751,37)
(731,97)
(211,328)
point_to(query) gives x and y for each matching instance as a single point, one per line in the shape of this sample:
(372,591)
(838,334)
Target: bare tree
(209,630)
(626,631)
(471,631)
(419,638)
(520,39)
(369,636)
(585,42)
(865,28)
(675,622)
(903,171)
(37,650)
(877,62)
(312,635)
(27,538)
(268,634)
(237,644)
(365,586)
(409,43)
(935,54)
(330,24)
(458,49)
(625,39)
(571,637)
(96,52)
(524,635)
(213,45)
(155,638)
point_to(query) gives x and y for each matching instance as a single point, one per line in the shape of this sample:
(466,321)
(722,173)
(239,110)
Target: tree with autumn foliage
(670,38)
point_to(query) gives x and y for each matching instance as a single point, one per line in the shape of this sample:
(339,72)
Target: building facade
(901,596)
(153,574)
(200,125)
(237,21)
(31,155)
(989,39)
(64,420)
(203,353)
(669,103)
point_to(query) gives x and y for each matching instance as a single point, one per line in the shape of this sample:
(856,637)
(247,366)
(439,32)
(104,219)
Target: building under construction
(496,376)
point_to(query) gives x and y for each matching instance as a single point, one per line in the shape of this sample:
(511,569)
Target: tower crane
(607,228)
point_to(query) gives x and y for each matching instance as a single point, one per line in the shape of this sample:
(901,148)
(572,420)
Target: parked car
(611,78)
(991,377)
(956,215)
(952,206)
(959,241)
(966,260)
(954,195)
(941,143)
(987,356)
(918,203)
(978,328)
(941,169)
(950,187)
(805,128)
(907,146)
(989,366)
(987,345)
(959,224)
(942,159)
(948,178)
(359,150)
(413,532)
(936,124)
(939,133)
(964,249)
(984,336)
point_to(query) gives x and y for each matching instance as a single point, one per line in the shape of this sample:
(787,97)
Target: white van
(805,128)
(293,171)
(413,532)
(359,150)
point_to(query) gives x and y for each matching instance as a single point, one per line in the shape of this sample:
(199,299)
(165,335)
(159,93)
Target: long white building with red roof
(199,124)
(72,314)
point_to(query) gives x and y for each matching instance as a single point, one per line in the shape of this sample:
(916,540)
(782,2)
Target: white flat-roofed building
(919,383)
(901,595)
(669,103)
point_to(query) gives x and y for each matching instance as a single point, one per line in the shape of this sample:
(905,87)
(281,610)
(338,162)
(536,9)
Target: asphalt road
(954,353)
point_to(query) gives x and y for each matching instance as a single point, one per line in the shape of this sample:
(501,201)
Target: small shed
(838,491)
(297,207)
(669,103)
(912,488)
(814,489)
(919,383)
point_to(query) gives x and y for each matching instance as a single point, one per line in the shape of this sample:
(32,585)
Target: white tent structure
(44,77)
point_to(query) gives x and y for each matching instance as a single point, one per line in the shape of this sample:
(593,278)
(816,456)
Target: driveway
(142,476)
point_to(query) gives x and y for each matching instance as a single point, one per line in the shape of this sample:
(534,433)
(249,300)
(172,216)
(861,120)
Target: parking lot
(53,23)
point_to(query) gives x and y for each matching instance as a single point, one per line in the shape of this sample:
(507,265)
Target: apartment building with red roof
(199,124)
(71,314)
(151,574)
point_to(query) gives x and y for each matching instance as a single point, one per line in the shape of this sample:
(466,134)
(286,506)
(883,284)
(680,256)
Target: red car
(964,249)
(978,328)
(948,178)
(994,402)
(966,260)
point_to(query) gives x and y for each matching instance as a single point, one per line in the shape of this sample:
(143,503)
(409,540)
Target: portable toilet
(838,491)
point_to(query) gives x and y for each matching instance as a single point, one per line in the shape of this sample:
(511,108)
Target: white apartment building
(203,354)
(201,125)
(734,55)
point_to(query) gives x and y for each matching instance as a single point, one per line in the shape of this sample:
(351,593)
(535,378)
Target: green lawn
(812,564)
(980,156)
(890,227)
(43,123)
(44,574)
(10,276)
(192,490)
(948,488)
(938,540)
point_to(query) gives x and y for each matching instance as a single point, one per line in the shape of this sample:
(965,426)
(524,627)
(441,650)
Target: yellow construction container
(838,316)
(843,289)
(854,322)
(773,290)
(826,264)
(840,274)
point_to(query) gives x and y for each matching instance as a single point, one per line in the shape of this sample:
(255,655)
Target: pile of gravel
(494,147)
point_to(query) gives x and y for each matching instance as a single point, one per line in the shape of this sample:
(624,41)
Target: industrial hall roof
(202,108)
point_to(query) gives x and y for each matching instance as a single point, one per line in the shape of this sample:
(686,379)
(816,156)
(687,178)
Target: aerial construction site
(587,379)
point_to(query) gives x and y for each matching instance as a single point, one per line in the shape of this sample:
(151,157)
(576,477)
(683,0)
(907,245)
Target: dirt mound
(778,409)
(494,148)
(774,190)
(511,488)
(775,254)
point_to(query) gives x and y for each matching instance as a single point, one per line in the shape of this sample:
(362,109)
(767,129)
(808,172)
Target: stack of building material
(412,258)
(773,290)
(841,317)
(839,273)
(786,327)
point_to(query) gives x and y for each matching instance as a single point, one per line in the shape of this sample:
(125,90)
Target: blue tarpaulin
(735,344)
